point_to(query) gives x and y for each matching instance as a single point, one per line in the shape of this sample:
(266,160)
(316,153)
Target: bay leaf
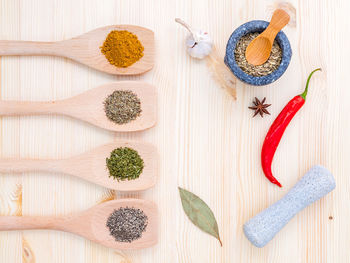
(199,213)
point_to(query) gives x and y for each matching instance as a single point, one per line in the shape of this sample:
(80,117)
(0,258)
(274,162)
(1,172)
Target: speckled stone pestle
(316,183)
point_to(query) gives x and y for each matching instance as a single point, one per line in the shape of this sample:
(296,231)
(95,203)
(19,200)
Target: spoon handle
(27,48)
(30,165)
(30,222)
(279,20)
(10,108)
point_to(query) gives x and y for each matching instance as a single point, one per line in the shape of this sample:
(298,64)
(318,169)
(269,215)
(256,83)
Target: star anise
(260,107)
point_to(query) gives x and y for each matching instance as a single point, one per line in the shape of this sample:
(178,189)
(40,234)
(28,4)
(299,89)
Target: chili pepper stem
(303,95)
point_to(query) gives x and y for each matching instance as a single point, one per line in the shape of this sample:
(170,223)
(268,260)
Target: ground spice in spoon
(122,48)
(268,67)
(122,106)
(127,224)
(124,164)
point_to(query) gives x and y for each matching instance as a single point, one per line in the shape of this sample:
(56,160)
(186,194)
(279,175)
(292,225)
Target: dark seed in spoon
(127,224)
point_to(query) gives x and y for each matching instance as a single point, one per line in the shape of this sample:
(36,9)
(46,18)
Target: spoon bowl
(258,51)
(89,106)
(91,166)
(91,223)
(85,49)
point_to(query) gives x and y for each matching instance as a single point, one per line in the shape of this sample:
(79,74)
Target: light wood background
(208,143)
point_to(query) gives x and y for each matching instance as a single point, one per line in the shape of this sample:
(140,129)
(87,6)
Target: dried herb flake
(124,164)
(122,106)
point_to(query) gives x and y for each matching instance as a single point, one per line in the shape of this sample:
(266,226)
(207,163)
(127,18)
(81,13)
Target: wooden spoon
(258,51)
(89,106)
(91,166)
(86,49)
(91,223)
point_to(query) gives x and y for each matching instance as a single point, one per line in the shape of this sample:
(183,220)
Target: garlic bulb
(198,42)
(200,45)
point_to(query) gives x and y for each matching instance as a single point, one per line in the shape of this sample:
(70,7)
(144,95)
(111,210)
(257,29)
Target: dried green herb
(124,164)
(199,213)
(122,106)
(268,67)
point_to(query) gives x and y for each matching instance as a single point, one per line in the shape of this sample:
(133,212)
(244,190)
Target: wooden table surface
(208,143)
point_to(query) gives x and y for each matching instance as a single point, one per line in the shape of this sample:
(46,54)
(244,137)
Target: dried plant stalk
(222,73)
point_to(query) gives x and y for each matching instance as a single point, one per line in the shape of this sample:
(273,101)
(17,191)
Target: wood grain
(208,143)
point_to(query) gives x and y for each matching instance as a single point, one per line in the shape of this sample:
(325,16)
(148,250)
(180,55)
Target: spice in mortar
(262,70)
(124,164)
(122,48)
(127,224)
(122,106)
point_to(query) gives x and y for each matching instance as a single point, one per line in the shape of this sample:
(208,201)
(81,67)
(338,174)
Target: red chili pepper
(277,129)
